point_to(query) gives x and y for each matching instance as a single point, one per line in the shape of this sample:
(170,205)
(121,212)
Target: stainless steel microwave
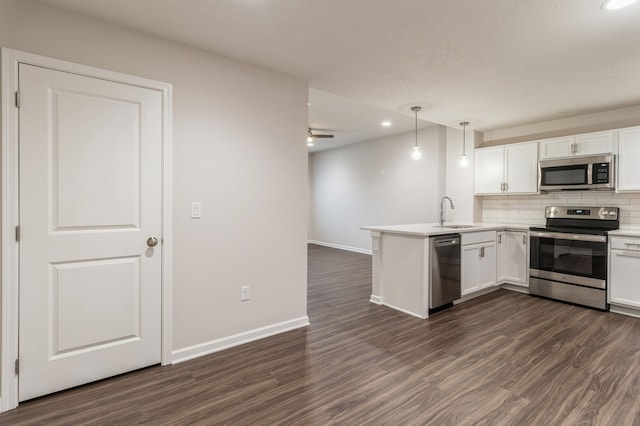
(577,173)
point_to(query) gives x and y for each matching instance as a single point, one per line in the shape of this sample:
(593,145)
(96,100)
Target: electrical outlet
(245,293)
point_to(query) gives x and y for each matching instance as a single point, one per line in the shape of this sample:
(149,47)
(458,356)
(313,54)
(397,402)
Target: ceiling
(494,63)
(351,121)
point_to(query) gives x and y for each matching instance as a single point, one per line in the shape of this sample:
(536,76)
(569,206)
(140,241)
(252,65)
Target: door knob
(152,241)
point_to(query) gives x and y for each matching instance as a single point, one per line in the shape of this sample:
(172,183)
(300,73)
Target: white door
(516,258)
(489,170)
(557,147)
(487,266)
(501,267)
(522,167)
(594,143)
(90,197)
(629,152)
(470,263)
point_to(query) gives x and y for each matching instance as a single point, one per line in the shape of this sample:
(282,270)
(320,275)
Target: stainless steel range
(568,259)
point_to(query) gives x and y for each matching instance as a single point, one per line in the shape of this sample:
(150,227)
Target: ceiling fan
(311,137)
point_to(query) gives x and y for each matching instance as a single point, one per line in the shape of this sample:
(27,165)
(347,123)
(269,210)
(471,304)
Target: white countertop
(633,232)
(428,229)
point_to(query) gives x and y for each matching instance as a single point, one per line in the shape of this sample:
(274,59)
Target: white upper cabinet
(585,144)
(509,169)
(557,147)
(628,156)
(489,170)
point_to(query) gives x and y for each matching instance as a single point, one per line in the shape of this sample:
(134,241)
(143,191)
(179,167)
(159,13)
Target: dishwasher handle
(446,243)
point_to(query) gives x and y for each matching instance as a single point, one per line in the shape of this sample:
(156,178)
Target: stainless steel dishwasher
(444,266)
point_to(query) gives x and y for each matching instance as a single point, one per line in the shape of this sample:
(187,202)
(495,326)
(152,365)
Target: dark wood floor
(504,358)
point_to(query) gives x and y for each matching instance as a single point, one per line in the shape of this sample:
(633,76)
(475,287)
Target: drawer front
(478,237)
(625,243)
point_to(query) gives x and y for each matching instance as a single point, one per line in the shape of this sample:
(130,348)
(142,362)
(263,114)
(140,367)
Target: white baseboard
(338,246)
(476,294)
(404,311)
(207,348)
(375,299)
(515,287)
(632,312)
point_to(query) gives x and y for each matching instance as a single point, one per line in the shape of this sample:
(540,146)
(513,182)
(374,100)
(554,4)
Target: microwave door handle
(589,173)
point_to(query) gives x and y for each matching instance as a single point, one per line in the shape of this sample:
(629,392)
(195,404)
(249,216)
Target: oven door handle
(571,237)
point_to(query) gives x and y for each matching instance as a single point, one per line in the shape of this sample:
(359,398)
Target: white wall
(604,120)
(239,148)
(459,180)
(376,183)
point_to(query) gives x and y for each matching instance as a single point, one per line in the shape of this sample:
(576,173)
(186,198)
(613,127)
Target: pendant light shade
(416,154)
(464,161)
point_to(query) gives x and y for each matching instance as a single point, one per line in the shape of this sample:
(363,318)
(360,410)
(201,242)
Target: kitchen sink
(456,226)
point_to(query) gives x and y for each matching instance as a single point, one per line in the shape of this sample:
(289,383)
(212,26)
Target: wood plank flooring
(501,359)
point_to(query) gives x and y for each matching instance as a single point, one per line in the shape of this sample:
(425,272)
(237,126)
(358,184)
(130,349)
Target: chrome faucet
(442,208)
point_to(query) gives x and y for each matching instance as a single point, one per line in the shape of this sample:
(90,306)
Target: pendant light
(416,154)
(464,161)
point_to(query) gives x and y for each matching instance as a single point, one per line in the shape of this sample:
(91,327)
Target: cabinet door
(521,161)
(487,266)
(501,269)
(489,170)
(557,147)
(517,268)
(594,143)
(469,263)
(629,153)
(624,288)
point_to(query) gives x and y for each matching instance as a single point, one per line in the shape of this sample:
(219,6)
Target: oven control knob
(555,211)
(548,211)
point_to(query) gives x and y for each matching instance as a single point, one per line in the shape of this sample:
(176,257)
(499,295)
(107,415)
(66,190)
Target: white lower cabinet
(478,261)
(512,265)
(624,285)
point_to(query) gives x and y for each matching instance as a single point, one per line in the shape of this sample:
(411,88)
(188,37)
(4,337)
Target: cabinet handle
(524,240)
(629,245)
(500,239)
(481,252)
(628,254)
(506,187)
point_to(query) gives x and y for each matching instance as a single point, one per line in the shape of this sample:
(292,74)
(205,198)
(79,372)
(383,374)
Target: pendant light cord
(416,109)
(464,125)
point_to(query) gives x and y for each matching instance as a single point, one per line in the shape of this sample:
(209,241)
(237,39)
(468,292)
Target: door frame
(9,330)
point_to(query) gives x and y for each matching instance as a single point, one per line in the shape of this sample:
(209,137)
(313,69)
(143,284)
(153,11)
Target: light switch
(196,210)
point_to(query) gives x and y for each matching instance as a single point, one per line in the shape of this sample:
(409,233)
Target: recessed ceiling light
(617,4)
(386,123)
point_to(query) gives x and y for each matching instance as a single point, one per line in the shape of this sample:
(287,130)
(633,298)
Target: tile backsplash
(529,209)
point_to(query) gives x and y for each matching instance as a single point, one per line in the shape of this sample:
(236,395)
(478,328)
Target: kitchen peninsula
(491,255)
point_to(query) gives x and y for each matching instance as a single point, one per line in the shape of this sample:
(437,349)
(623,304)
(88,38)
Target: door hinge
(18,233)
(17,99)
(17,366)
